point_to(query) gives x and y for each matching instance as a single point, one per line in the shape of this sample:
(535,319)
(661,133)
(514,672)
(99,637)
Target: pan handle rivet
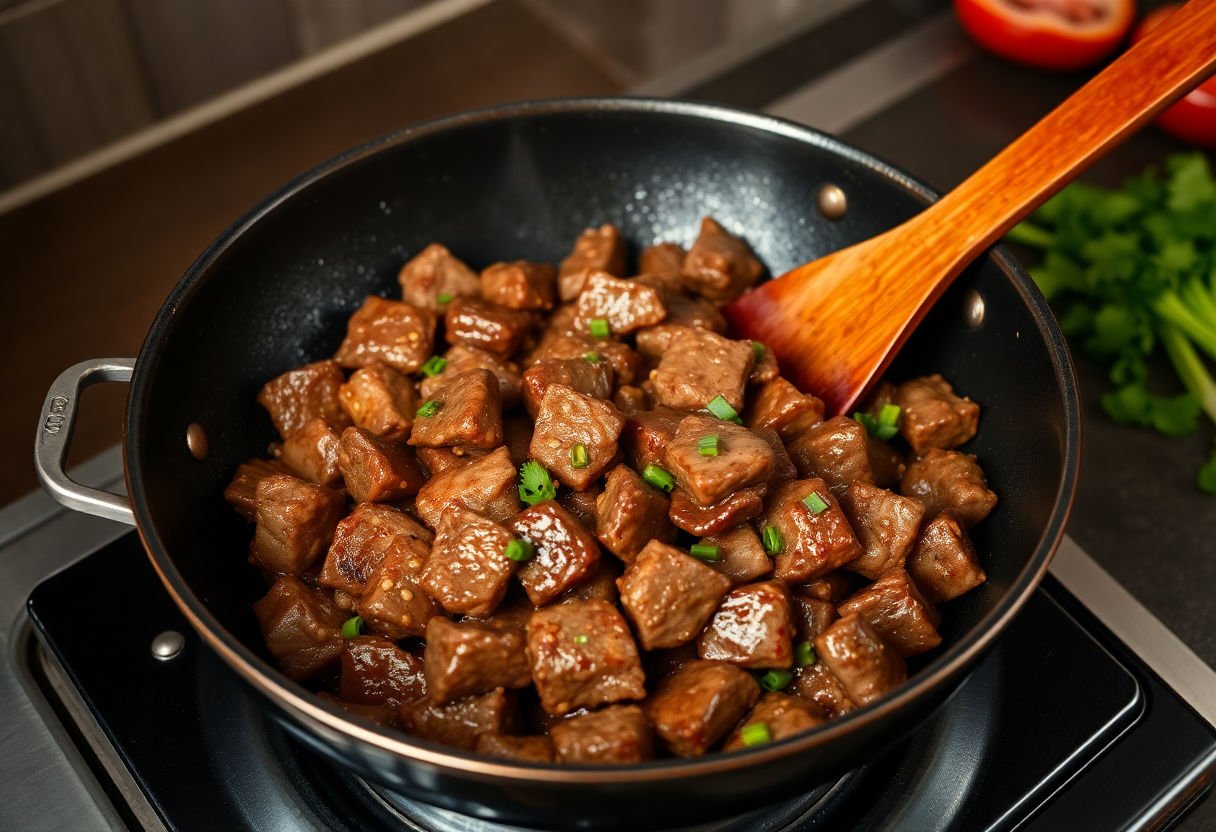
(168,645)
(973,309)
(831,201)
(196,441)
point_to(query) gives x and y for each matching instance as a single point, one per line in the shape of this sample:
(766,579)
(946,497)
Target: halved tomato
(1049,34)
(1193,118)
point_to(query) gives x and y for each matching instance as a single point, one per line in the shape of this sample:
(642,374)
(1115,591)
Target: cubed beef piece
(836,451)
(375,671)
(784,716)
(466,413)
(438,460)
(626,364)
(742,556)
(944,564)
(886,464)
(486,485)
(560,322)
(777,405)
(583,655)
(720,266)
(630,400)
(669,595)
(737,507)
(819,686)
(468,571)
(686,310)
(241,492)
(519,749)
(393,603)
(660,664)
(478,323)
(296,521)
(949,480)
(833,587)
(300,395)
(514,611)
(568,419)
(654,341)
(765,367)
(626,305)
(880,395)
(461,359)
(647,434)
(432,275)
(517,435)
(599,584)
(381,400)
(582,505)
(783,466)
(617,735)
(563,551)
(312,452)
(386,716)
(697,705)
(932,416)
(885,524)
(302,628)
(699,366)
(814,542)
(520,285)
(459,724)
(856,654)
(591,379)
(629,514)
(363,539)
(751,628)
(595,249)
(811,617)
(376,470)
(663,259)
(473,657)
(894,607)
(742,459)
(388,332)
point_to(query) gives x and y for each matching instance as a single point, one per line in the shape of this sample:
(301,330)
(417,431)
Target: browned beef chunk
(376,470)
(932,416)
(560,322)
(697,705)
(886,464)
(663,259)
(568,419)
(617,735)
(461,359)
(379,399)
(387,332)
(434,273)
(478,323)
(630,400)
(473,657)
(629,514)
(438,460)
(834,587)
(563,550)
(783,466)
(784,715)
(302,628)
(583,655)
(595,249)
(486,485)
(393,604)
(944,564)
(738,507)
(743,558)
(653,341)
(660,664)
(949,480)
(296,521)
(765,368)
(856,654)
(241,492)
(363,539)
(777,405)
(514,611)
(818,685)
(520,285)
(517,434)
(519,749)
(468,571)
(742,459)
(299,395)
(886,525)
(467,414)
(626,364)
(375,671)
(647,434)
(588,378)
(836,451)
(385,716)
(581,505)
(312,452)
(669,595)
(720,266)
(897,611)
(626,305)
(599,584)
(752,628)
(813,542)
(811,616)
(880,395)
(699,366)
(685,310)
(460,723)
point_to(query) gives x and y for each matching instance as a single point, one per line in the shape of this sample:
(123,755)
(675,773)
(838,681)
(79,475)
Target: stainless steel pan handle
(55,437)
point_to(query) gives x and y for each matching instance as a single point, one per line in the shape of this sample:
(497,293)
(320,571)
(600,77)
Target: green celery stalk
(1190,368)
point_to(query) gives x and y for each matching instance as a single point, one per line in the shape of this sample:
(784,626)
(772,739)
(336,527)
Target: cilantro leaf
(535,483)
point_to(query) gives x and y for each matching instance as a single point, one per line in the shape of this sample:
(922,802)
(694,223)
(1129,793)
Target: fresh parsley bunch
(1132,269)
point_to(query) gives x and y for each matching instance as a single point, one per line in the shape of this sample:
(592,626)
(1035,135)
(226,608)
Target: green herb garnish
(721,408)
(599,328)
(815,503)
(708,445)
(776,680)
(352,627)
(535,484)
(771,538)
(518,550)
(756,734)
(705,551)
(434,366)
(659,478)
(429,408)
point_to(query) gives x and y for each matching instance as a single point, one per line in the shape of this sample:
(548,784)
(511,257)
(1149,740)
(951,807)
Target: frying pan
(521,181)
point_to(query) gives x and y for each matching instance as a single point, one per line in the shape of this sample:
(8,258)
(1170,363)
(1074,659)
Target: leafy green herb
(535,484)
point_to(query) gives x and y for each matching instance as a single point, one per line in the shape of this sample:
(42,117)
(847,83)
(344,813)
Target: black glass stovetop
(1059,727)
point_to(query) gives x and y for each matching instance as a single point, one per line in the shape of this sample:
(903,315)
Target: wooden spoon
(836,323)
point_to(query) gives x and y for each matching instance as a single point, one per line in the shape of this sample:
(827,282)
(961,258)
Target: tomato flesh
(1049,34)
(1193,118)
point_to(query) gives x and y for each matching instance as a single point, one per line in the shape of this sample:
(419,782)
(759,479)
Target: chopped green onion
(578,457)
(659,478)
(771,537)
(721,408)
(518,550)
(776,680)
(708,445)
(804,654)
(756,734)
(866,421)
(815,503)
(581,639)
(434,366)
(351,627)
(599,327)
(429,408)
(445,297)
(535,484)
(705,551)
(885,426)
(592,357)
(889,415)
(758,350)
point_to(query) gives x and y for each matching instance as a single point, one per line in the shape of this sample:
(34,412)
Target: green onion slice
(535,483)
(659,478)
(705,551)
(866,421)
(578,456)
(756,734)
(815,503)
(592,357)
(771,537)
(352,627)
(721,408)
(581,639)
(889,414)
(776,680)
(599,327)
(804,654)
(518,550)
(708,445)
(758,350)
(445,297)
(429,408)
(434,366)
